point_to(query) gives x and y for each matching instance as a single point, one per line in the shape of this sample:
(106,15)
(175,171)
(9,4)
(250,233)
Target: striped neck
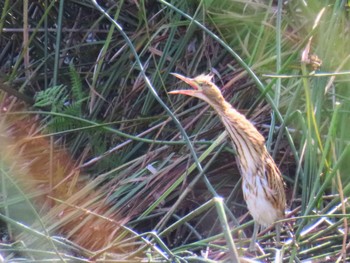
(248,142)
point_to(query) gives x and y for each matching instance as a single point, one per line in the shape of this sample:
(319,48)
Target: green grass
(161,162)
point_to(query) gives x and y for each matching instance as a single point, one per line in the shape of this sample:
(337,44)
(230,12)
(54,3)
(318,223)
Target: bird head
(203,88)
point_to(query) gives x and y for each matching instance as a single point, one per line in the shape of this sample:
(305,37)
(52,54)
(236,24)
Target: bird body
(262,182)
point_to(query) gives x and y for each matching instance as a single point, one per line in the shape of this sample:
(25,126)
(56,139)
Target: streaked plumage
(262,182)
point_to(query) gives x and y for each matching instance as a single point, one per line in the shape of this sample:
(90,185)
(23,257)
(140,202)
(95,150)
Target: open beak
(190,82)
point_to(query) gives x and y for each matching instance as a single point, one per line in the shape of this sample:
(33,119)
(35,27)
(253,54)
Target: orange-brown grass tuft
(67,204)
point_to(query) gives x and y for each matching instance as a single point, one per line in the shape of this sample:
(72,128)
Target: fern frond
(54,97)
(77,90)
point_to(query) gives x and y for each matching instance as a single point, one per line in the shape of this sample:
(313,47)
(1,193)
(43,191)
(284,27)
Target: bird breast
(256,193)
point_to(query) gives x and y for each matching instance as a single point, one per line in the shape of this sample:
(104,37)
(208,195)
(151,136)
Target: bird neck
(248,142)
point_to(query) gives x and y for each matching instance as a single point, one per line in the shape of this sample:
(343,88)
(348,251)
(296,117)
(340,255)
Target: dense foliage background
(96,163)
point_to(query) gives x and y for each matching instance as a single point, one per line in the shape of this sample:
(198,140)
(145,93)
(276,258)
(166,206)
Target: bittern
(262,182)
